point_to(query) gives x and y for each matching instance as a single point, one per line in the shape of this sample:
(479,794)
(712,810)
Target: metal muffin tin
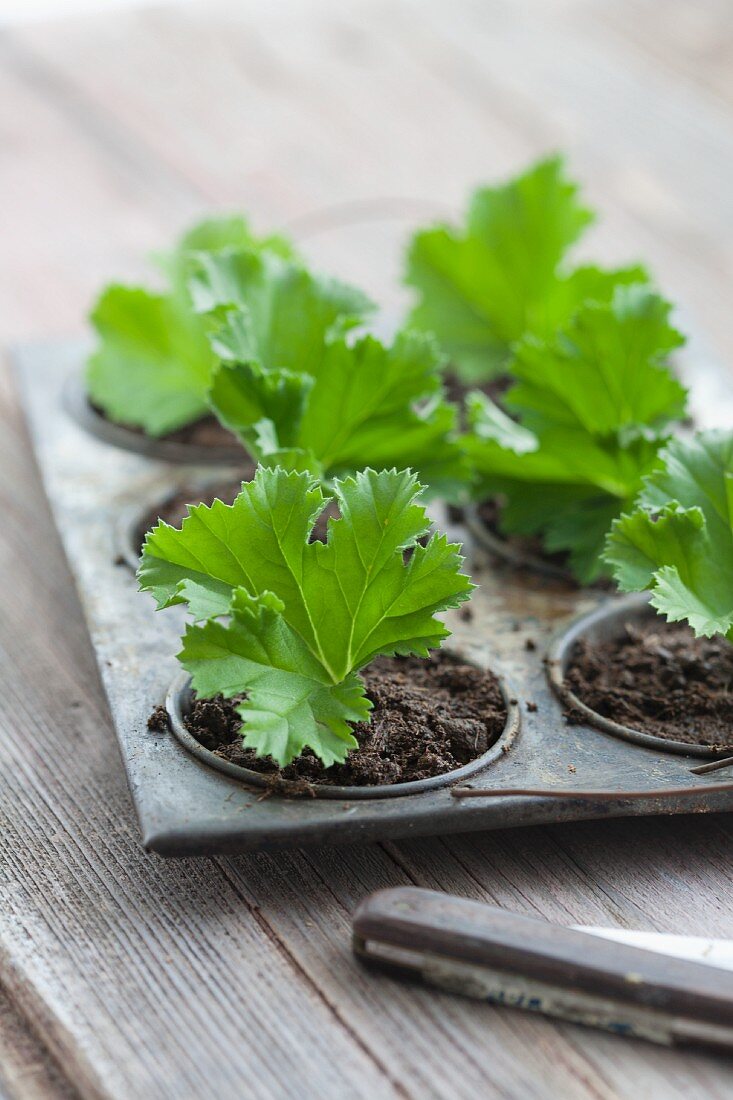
(186,807)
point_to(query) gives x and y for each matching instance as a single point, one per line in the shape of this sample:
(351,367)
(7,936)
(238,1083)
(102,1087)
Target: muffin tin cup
(316,233)
(131,522)
(499,547)
(603,624)
(178,702)
(89,419)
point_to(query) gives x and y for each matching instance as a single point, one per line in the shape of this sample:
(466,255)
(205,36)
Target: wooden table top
(124,976)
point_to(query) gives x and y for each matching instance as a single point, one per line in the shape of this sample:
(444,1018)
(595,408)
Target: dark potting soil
(489,511)
(430,717)
(206,432)
(456,390)
(527,551)
(660,679)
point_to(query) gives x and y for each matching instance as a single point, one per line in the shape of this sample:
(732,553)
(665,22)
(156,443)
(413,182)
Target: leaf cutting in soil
(300,395)
(153,364)
(291,622)
(678,539)
(260,307)
(429,718)
(349,407)
(504,274)
(594,404)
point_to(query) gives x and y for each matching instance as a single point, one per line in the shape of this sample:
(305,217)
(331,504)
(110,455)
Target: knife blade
(713,952)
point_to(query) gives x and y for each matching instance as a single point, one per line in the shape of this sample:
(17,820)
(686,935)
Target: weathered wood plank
(26,1071)
(692,41)
(581,876)
(75,197)
(145,977)
(255,953)
(483,73)
(653,152)
(309,902)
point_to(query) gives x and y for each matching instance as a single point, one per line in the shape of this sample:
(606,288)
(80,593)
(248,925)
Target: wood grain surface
(126,977)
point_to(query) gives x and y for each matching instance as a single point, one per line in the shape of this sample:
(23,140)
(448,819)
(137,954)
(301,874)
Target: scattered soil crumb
(574,717)
(158,720)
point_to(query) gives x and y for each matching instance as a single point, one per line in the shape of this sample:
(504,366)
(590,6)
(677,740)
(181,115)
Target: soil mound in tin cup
(430,717)
(660,679)
(526,546)
(207,431)
(527,551)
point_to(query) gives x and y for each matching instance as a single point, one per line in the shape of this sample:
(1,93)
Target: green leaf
(304,613)
(678,540)
(502,276)
(214,235)
(284,313)
(232,231)
(290,702)
(493,429)
(263,408)
(153,363)
(256,542)
(603,371)
(593,407)
(360,405)
(567,491)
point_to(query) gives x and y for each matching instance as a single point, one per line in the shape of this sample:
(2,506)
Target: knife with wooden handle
(509,959)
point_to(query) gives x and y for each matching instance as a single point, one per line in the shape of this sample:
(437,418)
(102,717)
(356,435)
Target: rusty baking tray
(187,808)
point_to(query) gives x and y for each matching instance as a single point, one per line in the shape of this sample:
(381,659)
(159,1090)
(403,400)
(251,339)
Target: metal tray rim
(503,550)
